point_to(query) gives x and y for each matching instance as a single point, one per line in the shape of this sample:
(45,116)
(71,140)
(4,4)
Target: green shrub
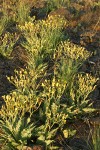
(50,93)
(15,131)
(22,12)
(3,24)
(42,38)
(3,19)
(24,98)
(7,43)
(17,11)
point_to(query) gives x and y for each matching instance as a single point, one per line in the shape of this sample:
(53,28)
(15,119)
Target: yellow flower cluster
(24,98)
(73,51)
(29,26)
(86,83)
(52,22)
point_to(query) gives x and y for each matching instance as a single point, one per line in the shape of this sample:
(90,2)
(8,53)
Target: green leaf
(48,142)
(88,110)
(52,133)
(41,138)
